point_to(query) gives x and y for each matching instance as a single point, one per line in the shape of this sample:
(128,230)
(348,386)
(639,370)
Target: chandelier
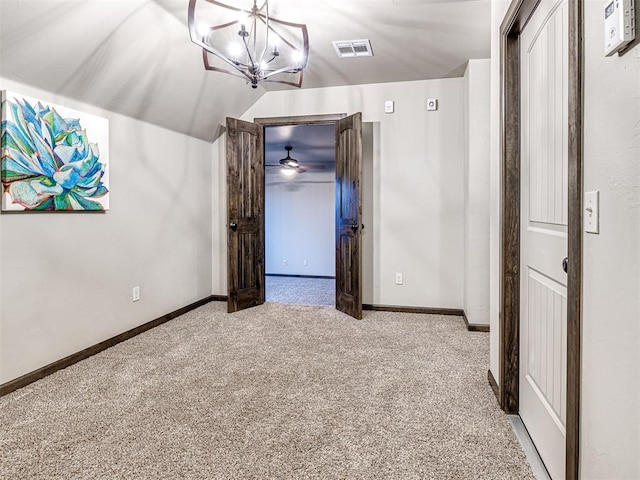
(255,45)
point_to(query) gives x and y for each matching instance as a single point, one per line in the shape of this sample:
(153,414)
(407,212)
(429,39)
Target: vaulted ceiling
(134,56)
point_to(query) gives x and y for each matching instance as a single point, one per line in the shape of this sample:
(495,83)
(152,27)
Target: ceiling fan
(291,166)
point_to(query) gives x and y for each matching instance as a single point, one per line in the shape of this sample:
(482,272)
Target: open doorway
(300,214)
(246,216)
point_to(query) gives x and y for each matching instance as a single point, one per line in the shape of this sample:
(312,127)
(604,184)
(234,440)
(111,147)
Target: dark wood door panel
(349,215)
(245,215)
(349,279)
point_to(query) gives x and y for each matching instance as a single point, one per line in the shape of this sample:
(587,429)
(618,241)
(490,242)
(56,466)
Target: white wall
(419,216)
(498,10)
(219,216)
(610,405)
(476,190)
(300,224)
(370,204)
(67,277)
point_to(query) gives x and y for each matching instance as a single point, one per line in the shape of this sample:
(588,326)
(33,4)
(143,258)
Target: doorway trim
(515,20)
(300,120)
(325,119)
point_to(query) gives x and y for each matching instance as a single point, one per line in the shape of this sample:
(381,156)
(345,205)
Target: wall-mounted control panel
(619,25)
(389,106)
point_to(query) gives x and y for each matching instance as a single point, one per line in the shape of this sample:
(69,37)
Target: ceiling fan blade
(314,167)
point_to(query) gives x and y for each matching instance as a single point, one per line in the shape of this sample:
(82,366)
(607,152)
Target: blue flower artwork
(53,158)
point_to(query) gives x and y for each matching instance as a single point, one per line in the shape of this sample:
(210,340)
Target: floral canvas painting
(53,158)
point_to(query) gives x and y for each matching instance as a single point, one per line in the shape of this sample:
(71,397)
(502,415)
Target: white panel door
(543,282)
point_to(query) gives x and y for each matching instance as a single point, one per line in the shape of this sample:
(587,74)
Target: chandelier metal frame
(255,68)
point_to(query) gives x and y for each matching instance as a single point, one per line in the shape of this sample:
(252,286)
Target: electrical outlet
(135,294)
(398,279)
(305,263)
(285,263)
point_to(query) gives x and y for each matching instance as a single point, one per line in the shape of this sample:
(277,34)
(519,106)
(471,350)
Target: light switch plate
(389,106)
(592,212)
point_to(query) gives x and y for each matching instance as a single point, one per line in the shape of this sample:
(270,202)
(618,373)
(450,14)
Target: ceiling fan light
(288,171)
(288,161)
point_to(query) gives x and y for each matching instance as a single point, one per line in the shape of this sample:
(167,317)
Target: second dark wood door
(245,215)
(349,215)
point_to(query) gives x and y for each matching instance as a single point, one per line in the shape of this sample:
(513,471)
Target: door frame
(516,18)
(326,119)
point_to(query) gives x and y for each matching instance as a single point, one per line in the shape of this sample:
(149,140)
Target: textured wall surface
(498,9)
(476,191)
(418,191)
(611,289)
(67,278)
(300,224)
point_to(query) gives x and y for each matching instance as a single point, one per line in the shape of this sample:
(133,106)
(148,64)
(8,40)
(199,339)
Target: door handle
(565,264)
(233,226)
(354,227)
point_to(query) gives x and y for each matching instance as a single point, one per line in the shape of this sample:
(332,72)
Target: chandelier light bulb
(243,19)
(202,29)
(297,56)
(274,45)
(235,50)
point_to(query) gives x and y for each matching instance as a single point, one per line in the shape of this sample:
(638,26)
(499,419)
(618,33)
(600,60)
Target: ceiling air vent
(353,48)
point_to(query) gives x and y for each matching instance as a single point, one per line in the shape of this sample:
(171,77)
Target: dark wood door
(349,215)
(245,215)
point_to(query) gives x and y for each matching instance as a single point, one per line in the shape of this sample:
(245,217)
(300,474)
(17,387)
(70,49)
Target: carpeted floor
(278,391)
(300,290)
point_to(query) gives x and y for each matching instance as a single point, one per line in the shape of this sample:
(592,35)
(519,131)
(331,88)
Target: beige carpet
(301,290)
(279,391)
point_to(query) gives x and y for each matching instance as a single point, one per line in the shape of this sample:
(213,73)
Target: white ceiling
(134,56)
(312,144)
